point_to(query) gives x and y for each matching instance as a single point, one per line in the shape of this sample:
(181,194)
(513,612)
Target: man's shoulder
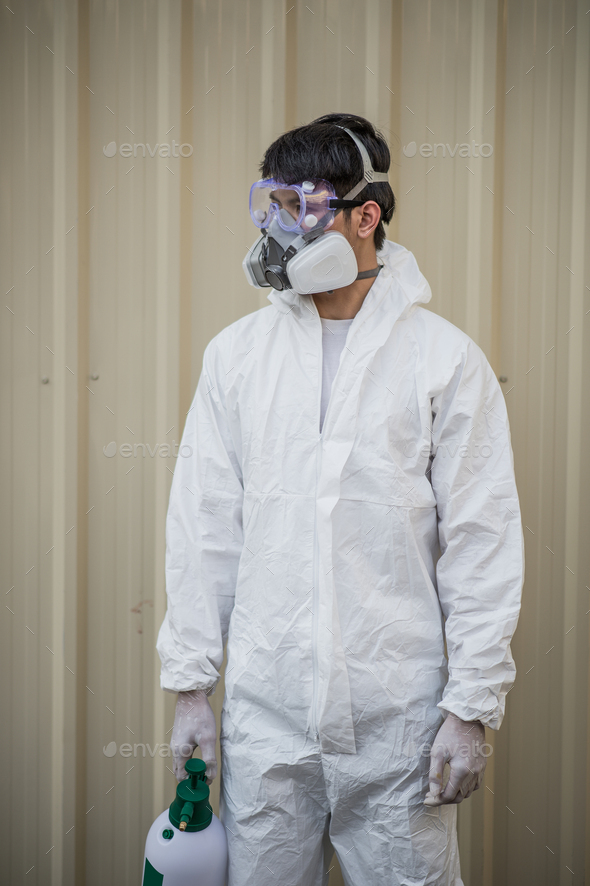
(440,336)
(434,325)
(446,350)
(250,326)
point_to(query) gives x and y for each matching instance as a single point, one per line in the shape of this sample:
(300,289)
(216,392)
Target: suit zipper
(316,552)
(316,561)
(315,604)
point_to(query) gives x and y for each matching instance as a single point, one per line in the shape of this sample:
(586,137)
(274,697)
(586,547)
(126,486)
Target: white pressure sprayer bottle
(186,845)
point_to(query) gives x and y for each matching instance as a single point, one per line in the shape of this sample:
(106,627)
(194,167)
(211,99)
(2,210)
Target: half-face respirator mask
(297,250)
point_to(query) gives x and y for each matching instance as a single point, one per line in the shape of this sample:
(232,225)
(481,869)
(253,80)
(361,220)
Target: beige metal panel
(575,661)
(38,267)
(431,113)
(512,343)
(343,61)
(517,317)
(84,509)
(544,183)
(17,556)
(135,77)
(22,367)
(64,468)
(528,102)
(445,208)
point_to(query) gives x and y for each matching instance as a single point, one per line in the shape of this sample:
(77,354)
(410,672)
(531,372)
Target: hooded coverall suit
(335,564)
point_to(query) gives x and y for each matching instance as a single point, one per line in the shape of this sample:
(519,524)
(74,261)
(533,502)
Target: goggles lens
(270,198)
(296,207)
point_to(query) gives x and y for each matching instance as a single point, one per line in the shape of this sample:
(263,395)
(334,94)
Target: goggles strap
(369,174)
(335,203)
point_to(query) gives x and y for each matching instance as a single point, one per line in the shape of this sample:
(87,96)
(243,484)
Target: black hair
(321,150)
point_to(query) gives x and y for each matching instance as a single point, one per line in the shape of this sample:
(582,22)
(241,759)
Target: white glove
(194,724)
(458,743)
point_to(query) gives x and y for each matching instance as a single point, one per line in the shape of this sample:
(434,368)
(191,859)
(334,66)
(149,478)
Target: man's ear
(369,217)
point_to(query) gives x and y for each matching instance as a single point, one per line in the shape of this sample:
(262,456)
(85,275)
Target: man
(350,503)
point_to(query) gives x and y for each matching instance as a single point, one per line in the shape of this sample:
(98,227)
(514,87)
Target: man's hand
(459,744)
(194,724)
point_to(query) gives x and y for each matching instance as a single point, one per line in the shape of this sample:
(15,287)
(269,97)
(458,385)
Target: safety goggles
(297,207)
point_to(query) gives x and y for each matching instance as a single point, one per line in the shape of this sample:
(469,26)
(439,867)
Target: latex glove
(458,743)
(194,724)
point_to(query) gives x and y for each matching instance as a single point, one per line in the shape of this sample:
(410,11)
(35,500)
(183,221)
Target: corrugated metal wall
(118,269)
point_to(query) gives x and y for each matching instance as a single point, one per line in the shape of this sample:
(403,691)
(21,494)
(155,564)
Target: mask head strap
(369,174)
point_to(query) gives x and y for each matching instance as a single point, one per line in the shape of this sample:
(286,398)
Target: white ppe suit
(336,564)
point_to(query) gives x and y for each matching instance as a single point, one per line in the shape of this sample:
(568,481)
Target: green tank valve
(186,815)
(191,810)
(167,833)
(196,770)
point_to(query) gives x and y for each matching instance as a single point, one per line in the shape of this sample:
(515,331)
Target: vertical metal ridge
(495,355)
(291,103)
(81,752)
(59,466)
(572,587)
(187,198)
(395,107)
(166,307)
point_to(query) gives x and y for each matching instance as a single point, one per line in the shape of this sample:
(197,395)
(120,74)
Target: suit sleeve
(480,571)
(203,541)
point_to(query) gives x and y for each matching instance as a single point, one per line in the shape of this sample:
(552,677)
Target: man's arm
(481,568)
(203,541)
